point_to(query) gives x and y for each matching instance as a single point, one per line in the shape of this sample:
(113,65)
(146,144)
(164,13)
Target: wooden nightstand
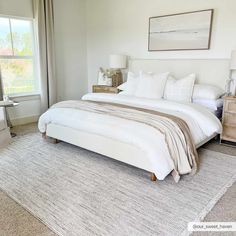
(104,89)
(229,119)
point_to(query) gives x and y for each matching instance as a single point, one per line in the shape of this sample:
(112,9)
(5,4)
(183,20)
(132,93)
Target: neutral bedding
(201,123)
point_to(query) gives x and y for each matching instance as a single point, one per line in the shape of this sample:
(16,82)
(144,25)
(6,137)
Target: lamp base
(117,78)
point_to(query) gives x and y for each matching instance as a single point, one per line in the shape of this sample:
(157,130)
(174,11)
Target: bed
(129,141)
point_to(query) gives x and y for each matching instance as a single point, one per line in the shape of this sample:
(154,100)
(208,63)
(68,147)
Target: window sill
(24,97)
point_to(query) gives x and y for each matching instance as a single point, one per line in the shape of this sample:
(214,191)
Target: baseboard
(24,120)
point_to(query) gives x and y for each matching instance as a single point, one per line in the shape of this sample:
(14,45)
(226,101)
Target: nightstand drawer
(104,89)
(230,105)
(229,118)
(229,133)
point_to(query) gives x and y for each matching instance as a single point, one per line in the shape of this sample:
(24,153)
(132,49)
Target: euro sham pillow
(151,85)
(180,90)
(204,91)
(130,86)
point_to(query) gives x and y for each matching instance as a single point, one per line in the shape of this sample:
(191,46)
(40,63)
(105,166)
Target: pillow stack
(146,85)
(208,96)
(158,86)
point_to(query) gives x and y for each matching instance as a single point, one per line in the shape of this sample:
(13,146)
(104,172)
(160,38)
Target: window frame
(34,57)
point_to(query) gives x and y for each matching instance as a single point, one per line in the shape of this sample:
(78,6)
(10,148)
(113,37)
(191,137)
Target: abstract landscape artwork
(184,31)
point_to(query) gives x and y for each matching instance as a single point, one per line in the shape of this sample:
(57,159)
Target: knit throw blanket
(175,130)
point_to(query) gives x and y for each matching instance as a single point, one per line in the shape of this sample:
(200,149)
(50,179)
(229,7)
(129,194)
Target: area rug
(77,192)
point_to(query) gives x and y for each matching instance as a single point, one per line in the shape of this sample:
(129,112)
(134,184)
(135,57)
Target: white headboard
(208,71)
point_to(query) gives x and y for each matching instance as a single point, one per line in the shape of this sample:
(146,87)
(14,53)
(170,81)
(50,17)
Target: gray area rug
(77,192)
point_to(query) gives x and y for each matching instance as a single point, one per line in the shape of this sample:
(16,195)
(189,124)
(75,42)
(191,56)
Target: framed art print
(183,31)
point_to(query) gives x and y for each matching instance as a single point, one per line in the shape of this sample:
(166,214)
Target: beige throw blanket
(177,134)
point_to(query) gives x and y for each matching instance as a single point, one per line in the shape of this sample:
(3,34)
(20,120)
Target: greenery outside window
(17,57)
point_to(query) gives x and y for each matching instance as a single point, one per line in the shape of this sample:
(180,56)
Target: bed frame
(117,150)
(209,71)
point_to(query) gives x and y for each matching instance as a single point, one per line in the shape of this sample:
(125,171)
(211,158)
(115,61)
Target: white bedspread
(201,122)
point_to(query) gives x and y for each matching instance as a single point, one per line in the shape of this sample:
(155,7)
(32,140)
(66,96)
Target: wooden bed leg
(55,141)
(153,177)
(44,135)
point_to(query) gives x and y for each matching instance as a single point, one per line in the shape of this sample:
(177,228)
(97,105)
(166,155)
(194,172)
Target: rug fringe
(211,204)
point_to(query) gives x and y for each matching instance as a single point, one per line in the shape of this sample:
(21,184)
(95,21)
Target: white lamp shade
(118,61)
(233,60)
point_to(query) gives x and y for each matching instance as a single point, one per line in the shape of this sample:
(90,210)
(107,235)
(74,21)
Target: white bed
(126,140)
(129,141)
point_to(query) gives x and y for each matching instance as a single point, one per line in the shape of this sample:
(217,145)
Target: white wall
(70,37)
(122,27)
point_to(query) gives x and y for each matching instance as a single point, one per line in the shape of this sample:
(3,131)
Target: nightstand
(229,119)
(104,89)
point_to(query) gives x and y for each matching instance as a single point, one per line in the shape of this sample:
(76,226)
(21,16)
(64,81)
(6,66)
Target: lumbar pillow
(205,91)
(151,85)
(180,89)
(129,87)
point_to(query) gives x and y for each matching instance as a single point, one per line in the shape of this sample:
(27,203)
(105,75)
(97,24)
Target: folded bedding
(154,126)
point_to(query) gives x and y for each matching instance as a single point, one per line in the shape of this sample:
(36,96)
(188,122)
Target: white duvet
(201,122)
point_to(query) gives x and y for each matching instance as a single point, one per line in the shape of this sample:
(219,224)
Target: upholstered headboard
(208,71)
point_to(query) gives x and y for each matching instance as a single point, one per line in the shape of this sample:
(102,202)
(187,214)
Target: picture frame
(181,31)
(103,79)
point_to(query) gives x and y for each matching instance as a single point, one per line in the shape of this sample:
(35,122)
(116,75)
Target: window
(17,57)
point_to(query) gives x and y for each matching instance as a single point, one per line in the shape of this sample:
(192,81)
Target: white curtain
(43,13)
(1,87)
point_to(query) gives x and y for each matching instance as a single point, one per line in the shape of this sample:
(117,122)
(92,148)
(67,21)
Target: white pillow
(204,91)
(180,89)
(212,104)
(123,86)
(129,87)
(151,85)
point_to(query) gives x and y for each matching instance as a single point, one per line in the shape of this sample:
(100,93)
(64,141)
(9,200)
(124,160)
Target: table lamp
(232,68)
(117,62)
